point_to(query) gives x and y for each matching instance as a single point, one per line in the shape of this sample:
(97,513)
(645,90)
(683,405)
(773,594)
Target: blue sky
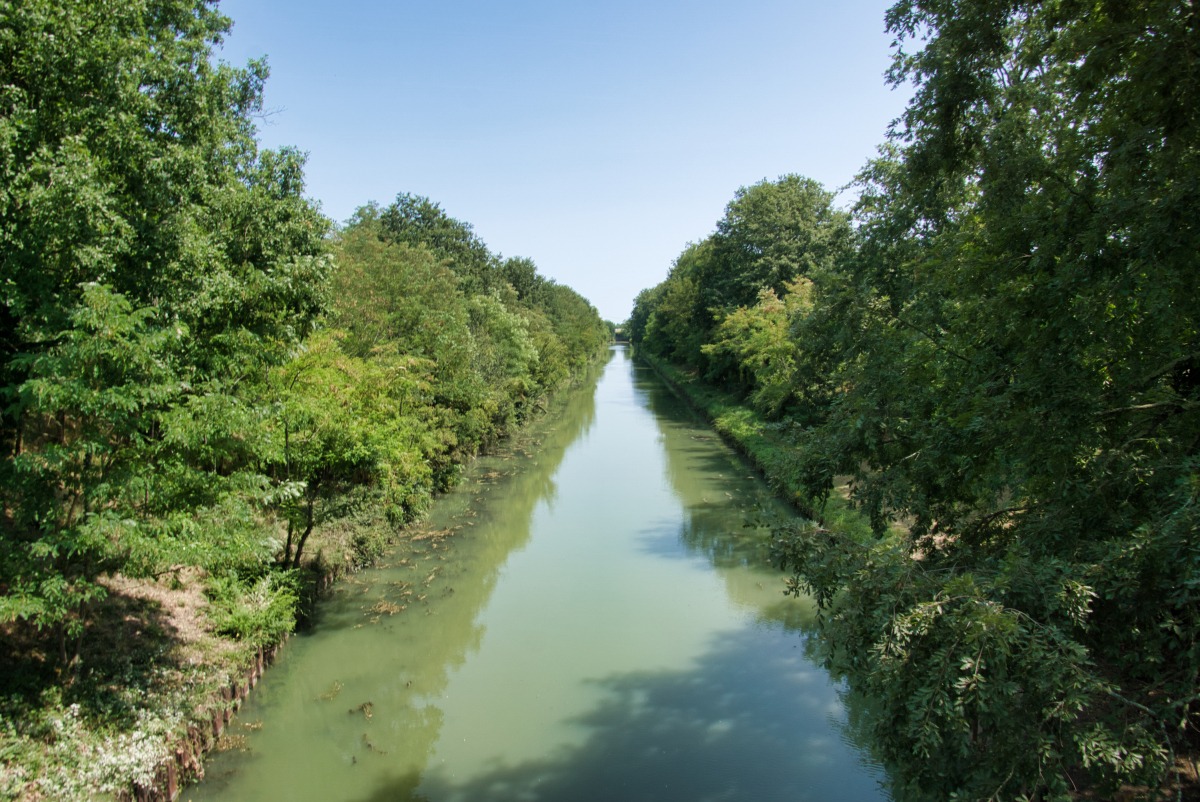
(596,138)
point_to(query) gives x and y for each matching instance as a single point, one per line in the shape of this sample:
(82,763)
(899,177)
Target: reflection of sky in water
(606,630)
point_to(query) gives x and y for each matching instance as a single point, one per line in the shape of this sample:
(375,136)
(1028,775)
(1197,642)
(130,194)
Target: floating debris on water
(333,692)
(380,607)
(229,742)
(437,534)
(366,708)
(371,746)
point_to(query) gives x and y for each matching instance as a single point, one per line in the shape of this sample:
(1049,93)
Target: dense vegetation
(999,345)
(199,369)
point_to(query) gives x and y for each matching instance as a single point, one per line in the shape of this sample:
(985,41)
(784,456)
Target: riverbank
(750,433)
(753,435)
(597,624)
(165,662)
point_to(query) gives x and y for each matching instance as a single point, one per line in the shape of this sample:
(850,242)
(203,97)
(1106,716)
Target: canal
(584,618)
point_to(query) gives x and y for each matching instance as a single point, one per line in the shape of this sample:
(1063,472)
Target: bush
(260,611)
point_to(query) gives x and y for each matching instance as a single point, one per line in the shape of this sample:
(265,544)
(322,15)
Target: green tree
(415,219)
(342,421)
(771,233)
(1014,380)
(153,264)
(758,341)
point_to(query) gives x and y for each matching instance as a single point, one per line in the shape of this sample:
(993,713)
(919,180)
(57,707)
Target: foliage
(198,370)
(499,335)
(1002,359)
(152,259)
(773,232)
(757,343)
(416,220)
(677,323)
(259,611)
(85,765)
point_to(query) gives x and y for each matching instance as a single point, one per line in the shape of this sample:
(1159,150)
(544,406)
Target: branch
(988,518)
(931,339)
(1170,367)
(1162,726)
(1176,404)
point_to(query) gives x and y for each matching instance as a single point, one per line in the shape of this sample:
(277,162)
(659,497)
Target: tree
(342,421)
(415,219)
(758,345)
(153,264)
(1014,376)
(772,232)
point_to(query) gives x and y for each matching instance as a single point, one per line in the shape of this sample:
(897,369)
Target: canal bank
(750,433)
(585,617)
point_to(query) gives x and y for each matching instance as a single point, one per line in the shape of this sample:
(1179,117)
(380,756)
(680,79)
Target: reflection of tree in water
(410,654)
(711,480)
(754,701)
(714,528)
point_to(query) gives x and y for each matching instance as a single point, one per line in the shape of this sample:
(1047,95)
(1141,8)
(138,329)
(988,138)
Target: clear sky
(596,138)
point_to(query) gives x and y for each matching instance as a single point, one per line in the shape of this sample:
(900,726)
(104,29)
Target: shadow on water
(749,715)
(398,659)
(754,700)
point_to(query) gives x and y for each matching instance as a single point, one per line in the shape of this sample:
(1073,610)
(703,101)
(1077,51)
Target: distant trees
(1001,354)
(498,334)
(773,234)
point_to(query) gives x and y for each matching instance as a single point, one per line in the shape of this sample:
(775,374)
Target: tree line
(198,367)
(998,346)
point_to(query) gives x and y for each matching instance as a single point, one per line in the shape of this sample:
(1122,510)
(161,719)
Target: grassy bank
(757,438)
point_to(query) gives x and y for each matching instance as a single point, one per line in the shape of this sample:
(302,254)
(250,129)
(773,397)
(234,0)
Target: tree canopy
(199,370)
(1001,357)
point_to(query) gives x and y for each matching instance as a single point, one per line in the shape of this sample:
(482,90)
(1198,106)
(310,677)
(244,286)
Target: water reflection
(673,735)
(592,622)
(310,747)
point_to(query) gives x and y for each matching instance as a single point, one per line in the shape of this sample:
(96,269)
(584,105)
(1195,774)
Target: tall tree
(771,233)
(1017,384)
(416,220)
(152,263)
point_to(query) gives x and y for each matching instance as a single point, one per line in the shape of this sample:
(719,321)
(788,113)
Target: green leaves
(259,611)
(773,232)
(153,264)
(497,334)
(1002,363)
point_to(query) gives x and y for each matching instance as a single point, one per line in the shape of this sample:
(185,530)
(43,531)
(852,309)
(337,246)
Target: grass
(752,434)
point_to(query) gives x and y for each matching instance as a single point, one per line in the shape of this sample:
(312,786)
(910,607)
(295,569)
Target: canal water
(584,618)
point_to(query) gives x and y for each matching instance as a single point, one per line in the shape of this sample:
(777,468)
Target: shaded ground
(145,651)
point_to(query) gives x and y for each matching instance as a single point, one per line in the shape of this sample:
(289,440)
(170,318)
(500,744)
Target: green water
(600,626)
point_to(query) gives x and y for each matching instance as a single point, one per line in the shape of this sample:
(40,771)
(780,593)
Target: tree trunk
(307,531)
(287,550)
(62,645)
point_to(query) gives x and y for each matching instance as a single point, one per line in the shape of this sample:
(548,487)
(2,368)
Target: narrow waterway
(584,618)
